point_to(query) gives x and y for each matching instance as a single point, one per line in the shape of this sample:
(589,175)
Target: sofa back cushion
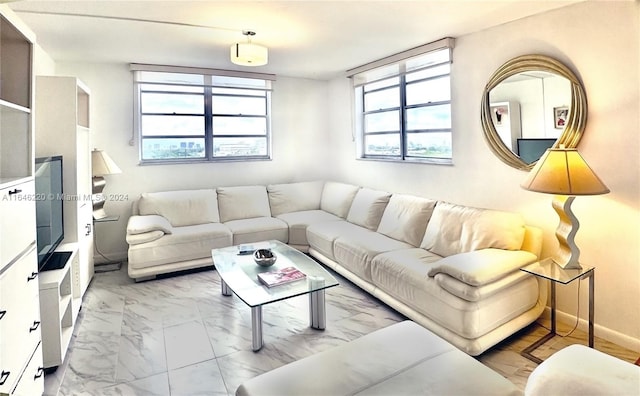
(183,207)
(457,229)
(243,202)
(294,197)
(367,208)
(405,218)
(337,198)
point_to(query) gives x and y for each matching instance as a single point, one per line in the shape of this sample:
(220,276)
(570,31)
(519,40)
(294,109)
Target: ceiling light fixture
(249,54)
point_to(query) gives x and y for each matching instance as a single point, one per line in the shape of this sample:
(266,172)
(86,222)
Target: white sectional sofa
(406,359)
(402,359)
(451,268)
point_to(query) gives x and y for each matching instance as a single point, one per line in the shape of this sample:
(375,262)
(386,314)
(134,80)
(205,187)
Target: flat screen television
(530,150)
(49,212)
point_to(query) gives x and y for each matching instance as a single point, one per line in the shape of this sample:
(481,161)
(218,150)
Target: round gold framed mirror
(516,133)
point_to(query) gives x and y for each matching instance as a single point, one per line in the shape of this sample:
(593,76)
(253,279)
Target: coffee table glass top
(240,273)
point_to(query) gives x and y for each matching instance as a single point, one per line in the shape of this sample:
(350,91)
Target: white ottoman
(402,359)
(579,370)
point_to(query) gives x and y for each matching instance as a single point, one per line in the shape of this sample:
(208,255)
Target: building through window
(403,105)
(188,114)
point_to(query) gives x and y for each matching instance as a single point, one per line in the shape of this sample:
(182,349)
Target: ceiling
(309,39)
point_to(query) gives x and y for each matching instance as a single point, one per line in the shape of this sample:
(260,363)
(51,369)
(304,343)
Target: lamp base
(568,253)
(97,198)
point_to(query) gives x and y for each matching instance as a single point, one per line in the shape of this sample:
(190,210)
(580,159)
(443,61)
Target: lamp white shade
(249,54)
(102,164)
(563,171)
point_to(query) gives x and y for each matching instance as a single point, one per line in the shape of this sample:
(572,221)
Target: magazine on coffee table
(281,276)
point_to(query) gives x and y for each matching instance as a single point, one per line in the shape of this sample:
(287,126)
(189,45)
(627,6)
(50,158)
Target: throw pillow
(337,198)
(294,197)
(405,218)
(181,208)
(457,229)
(367,208)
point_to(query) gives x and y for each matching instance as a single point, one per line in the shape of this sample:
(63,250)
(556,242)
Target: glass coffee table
(239,274)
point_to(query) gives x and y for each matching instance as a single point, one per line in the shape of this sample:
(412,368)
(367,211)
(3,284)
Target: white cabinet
(20,318)
(21,370)
(32,377)
(58,308)
(18,219)
(62,128)
(16,160)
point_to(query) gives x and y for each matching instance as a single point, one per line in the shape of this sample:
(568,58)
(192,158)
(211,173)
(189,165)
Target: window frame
(395,67)
(210,90)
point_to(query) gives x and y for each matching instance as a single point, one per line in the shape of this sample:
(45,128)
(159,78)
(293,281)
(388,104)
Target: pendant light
(249,54)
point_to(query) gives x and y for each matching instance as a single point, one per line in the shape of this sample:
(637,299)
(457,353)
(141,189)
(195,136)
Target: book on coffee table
(250,248)
(281,276)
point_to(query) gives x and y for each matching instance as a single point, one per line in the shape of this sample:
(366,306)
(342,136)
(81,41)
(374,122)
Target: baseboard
(605,333)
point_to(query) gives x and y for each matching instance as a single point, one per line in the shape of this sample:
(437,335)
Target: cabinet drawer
(32,326)
(20,318)
(18,225)
(32,380)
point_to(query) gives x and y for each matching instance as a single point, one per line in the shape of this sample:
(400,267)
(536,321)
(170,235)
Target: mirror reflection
(531,103)
(529,111)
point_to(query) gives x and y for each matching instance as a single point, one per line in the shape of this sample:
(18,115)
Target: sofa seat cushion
(403,275)
(185,243)
(356,251)
(299,221)
(321,236)
(401,359)
(181,208)
(294,197)
(243,202)
(258,229)
(457,229)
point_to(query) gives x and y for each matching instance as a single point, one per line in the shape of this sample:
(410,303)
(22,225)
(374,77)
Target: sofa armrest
(579,370)
(137,239)
(483,266)
(142,224)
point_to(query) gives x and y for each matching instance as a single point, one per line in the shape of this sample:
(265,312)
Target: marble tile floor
(179,336)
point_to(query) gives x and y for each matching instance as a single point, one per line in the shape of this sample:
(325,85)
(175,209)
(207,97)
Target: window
(403,105)
(202,115)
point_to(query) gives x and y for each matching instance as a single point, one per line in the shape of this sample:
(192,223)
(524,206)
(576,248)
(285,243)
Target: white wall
(42,62)
(298,123)
(599,41)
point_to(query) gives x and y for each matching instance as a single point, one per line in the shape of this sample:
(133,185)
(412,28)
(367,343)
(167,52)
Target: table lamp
(563,172)
(101,165)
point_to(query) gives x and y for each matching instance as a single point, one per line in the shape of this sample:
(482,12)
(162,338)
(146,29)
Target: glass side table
(548,269)
(109,265)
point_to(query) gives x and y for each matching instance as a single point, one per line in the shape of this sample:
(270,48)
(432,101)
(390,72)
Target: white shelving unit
(63,128)
(21,370)
(58,307)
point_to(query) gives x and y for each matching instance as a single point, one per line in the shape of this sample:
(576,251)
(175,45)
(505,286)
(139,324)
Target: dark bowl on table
(264,257)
